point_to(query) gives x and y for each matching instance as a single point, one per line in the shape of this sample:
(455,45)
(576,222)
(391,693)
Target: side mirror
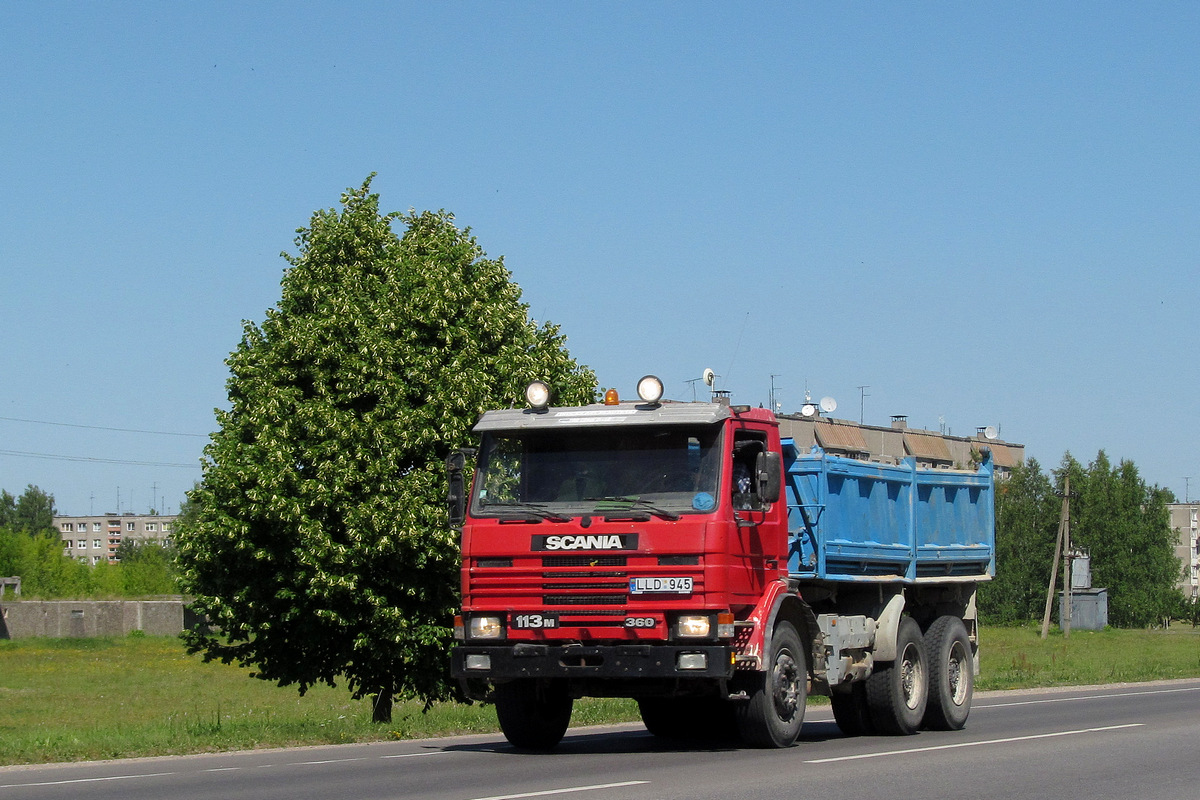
(456,497)
(768,471)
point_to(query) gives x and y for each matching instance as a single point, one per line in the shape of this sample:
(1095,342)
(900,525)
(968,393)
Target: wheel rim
(912,677)
(955,672)
(785,685)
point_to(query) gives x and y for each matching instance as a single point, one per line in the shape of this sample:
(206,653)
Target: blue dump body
(851,520)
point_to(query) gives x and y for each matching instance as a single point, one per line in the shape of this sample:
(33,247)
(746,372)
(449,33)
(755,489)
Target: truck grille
(583,561)
(584,599)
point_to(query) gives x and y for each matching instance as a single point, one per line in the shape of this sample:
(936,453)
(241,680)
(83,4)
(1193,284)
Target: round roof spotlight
(538,395)
(650,389)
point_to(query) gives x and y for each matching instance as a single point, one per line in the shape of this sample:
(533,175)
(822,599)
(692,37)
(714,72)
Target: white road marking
(326,761)
(566,790)
(85,780)
(414,755)
(973,744)
(1087,697)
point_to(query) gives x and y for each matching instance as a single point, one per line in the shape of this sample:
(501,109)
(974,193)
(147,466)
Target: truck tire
(533,714)
(898,692)
(775,711)
(951,674)
(850,709)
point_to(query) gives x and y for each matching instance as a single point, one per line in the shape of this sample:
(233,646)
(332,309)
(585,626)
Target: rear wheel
(951,674)
(533,714)
(897,693)
(773,715)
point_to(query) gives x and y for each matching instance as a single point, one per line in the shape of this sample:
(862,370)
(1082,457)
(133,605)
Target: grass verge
(86,699)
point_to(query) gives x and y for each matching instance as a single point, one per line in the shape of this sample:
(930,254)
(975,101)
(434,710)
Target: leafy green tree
(1027,512)
(12,548)
(34,510)
(146,568)
(317,542)
(8,509)
(1125,527)
(47,573)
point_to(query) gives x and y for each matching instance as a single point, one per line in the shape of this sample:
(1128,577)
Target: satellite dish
(808,409)
(990,432)
(710,377)
(828,405)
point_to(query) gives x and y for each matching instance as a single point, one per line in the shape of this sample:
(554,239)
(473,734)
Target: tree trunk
(381,709)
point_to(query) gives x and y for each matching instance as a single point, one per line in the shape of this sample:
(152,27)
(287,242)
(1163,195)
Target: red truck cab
(631,549)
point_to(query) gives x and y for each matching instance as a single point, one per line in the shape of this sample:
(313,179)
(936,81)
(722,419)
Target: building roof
(845,438)
(926,447)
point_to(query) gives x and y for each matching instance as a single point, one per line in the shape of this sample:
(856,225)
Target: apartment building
(890,445)
(93,539)
(1185,520)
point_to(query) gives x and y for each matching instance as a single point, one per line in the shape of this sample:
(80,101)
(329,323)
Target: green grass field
(85,699)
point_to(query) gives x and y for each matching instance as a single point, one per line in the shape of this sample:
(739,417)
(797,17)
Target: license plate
(660,585)
(534,622)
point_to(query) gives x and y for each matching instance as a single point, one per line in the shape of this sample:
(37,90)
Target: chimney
(900,422)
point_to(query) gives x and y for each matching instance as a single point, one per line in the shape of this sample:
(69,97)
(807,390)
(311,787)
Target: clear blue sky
(989,214)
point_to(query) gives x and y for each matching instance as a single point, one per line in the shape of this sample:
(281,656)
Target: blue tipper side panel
(851,520)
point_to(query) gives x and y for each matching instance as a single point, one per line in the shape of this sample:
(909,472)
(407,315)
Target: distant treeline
(30,548)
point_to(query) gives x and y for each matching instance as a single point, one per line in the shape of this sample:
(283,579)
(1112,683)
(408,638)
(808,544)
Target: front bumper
(522,660)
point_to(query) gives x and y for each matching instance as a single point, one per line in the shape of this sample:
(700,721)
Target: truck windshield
(671,468)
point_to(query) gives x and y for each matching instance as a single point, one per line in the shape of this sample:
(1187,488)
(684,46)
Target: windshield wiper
(626,503)
(535,510)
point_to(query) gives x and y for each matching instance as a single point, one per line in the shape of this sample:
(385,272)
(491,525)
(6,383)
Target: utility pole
(1062,547)
(862,403)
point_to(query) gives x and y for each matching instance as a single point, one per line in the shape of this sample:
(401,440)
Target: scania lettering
(693,558)
(583,543)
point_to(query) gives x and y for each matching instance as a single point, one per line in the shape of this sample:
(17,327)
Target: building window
(150,526)
(96,543)
(166,526)
(95,526)
(129,526)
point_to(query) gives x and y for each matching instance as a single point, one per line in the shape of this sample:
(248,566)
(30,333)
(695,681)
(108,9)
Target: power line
(51,457)
(101,427)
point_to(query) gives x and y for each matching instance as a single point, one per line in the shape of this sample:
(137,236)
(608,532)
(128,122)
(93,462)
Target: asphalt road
(1129,741)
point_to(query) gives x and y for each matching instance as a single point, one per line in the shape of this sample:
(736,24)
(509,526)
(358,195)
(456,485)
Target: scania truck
(688,556)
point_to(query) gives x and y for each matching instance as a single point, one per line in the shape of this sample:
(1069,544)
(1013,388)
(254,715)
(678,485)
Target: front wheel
(533,714)
(773,715)
(898,692)
(951,674)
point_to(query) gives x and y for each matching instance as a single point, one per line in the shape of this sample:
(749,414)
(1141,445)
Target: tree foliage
(1121,523)
(1027,512)
(1125,526)
(318,541)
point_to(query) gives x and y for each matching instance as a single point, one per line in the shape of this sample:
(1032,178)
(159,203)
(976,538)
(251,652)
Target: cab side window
(746,447)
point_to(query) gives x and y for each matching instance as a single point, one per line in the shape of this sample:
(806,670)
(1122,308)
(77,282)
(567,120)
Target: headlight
(650,389)
(693,626)
(538,395)
(486,628)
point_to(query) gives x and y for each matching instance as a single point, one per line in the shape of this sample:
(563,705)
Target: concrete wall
(66,619)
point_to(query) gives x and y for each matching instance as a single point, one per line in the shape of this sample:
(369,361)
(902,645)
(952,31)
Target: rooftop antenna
(774,405)
(808,409)
(862,407)
(1187,483)
(693,385)
(710,380)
